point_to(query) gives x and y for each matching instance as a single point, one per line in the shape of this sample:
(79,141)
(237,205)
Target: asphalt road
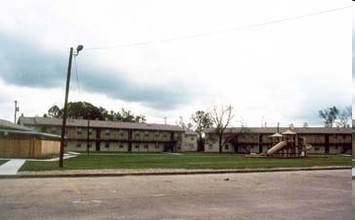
(279,195)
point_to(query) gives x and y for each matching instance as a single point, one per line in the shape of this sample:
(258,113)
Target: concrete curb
(152,172)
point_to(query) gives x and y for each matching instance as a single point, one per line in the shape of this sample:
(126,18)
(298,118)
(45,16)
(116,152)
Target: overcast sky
(273,61)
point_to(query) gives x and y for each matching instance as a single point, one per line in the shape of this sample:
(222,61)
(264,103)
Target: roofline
(42,134)
(76,123)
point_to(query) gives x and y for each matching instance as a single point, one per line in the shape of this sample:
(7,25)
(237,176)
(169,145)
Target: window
(122,134)
(192,138)
(137,146)
(137,134)
(78,145)
(107,132)
(107,145)
(165,135)
(121,145)
(90,131)
(226,147)
(79,131)
(156,135)
(146,134)
(156,146)
(146,146)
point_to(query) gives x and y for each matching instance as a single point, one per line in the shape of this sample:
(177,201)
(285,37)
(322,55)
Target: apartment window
(146,146)
(78,145)
(137,134)
(137,146)
(165,135)
(107,145)
(146,134)
(192,138)
(122,134)
(226,147)
(156,135)
(107,132)
(121,145)
(79,131)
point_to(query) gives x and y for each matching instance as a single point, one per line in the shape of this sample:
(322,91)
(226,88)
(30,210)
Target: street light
(62,141)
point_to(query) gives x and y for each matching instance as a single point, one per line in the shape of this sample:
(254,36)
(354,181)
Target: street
(275,195)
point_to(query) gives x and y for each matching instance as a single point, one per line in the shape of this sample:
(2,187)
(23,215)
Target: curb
(118,173)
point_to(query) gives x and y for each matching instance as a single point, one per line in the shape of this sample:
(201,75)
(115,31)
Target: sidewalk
(11,167)
(156,172)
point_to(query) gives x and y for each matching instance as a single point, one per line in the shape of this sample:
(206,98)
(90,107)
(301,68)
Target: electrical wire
(77,74)
(206,34)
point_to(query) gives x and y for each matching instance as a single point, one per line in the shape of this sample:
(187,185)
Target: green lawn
(186,161)
(3,161)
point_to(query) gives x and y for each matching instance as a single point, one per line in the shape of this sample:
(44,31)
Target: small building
(244,140)
(20,142)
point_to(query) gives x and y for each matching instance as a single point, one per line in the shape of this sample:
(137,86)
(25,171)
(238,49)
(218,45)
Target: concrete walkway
(11,167)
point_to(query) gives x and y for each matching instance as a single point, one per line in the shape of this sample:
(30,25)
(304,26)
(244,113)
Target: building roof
(40,121)
(190,132)
(29,132)
(9,125)
(272,130)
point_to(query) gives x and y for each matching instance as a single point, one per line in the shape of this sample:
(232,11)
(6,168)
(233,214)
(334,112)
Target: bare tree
(221,117)
(344,117)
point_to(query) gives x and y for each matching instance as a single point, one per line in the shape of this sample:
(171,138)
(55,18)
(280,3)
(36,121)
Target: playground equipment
(288,144)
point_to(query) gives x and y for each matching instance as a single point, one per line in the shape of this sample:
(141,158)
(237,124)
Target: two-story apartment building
(257,140)
(109,136)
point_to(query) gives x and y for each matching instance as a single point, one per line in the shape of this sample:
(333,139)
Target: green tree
(329,115)
(85,110)
(202,121)
(54,112)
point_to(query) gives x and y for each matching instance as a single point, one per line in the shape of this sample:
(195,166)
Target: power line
(76,72)
(206,34)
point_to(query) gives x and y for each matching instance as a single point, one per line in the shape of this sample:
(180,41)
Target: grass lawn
(2,162)
(186,161)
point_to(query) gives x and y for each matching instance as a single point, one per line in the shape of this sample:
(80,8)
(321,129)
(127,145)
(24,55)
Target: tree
(329,115)
(54,112)
(344,117)
(222,118)
(202,120)
(85,110)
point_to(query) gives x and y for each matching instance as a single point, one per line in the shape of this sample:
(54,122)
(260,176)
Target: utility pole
(88,138)
(62,139)
(16,110)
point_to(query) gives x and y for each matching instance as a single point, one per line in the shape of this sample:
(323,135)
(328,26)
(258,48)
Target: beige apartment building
(109,136)
(258,140)
(189,142)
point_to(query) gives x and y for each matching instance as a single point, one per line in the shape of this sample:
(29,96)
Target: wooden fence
(29,148)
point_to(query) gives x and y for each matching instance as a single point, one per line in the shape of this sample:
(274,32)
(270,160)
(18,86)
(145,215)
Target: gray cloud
(25,64)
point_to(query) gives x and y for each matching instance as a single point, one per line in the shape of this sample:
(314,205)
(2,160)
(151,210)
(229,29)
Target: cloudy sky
(274,61)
